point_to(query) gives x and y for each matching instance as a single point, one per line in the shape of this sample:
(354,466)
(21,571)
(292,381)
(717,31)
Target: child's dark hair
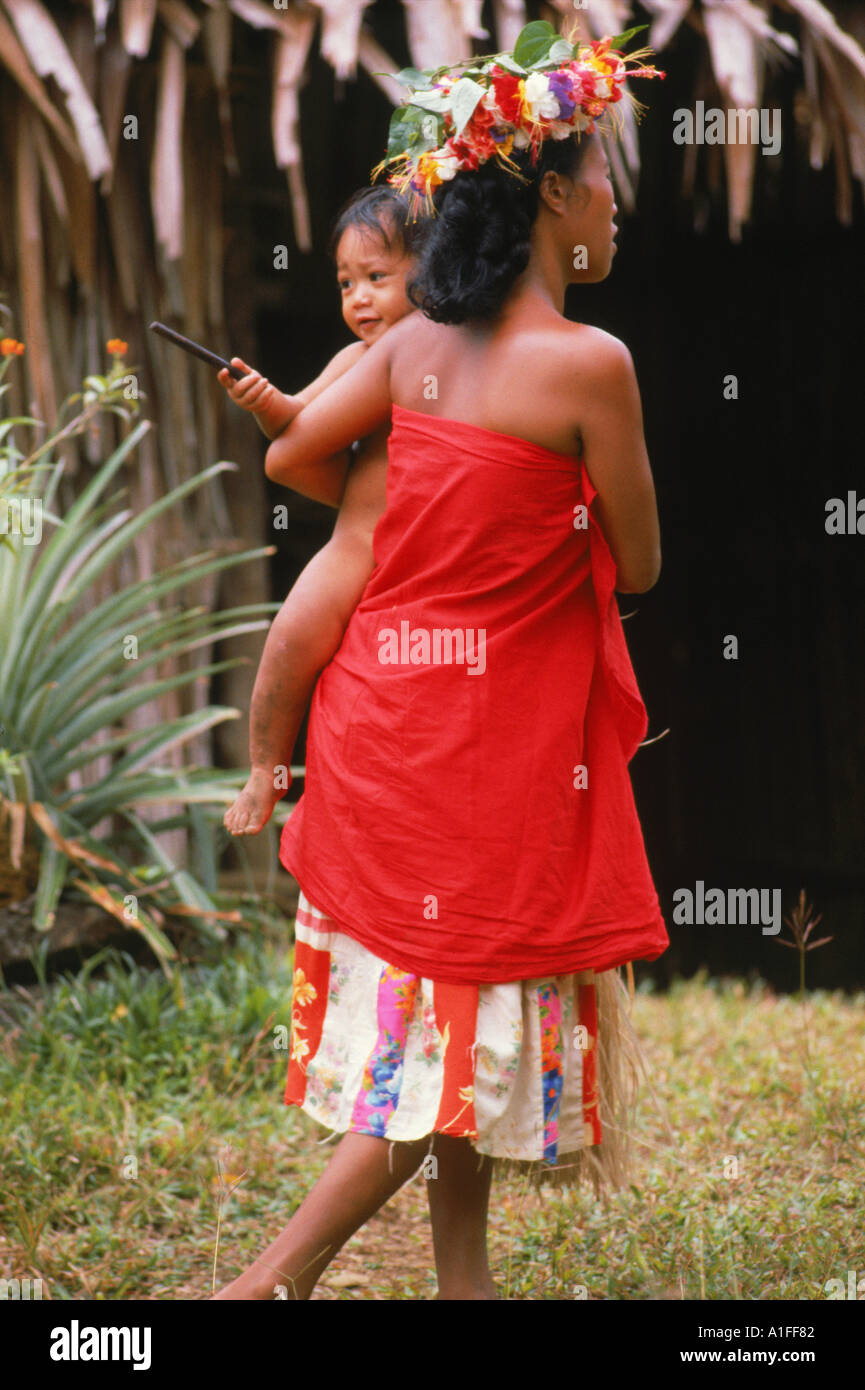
(478,242)
(382,211)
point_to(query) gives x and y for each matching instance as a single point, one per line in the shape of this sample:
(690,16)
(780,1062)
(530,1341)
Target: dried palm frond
(340,33)
(49,55)
(51,173)
(115,69)
(741,42)
(166,174)
(668,16)
(379,65)
(599,18)
(180,21)
(136,26)
(289,64)
(31,265)
(436,32)
(469,18)
(218,25)
(510,18)
(14,58)
(737,63)
(824,24)
(845,118)
(261,16)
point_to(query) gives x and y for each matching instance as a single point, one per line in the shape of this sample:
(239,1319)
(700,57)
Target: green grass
(124,1096)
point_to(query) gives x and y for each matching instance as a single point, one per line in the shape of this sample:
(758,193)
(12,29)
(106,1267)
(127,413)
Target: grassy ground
(124,1095)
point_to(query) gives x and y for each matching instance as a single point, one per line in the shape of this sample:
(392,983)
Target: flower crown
(459,116)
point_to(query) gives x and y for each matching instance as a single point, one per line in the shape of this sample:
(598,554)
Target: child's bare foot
(252,809)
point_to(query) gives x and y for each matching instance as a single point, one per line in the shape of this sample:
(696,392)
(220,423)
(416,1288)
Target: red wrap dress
(467,845)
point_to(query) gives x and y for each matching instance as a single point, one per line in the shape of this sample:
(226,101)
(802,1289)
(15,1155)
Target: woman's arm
(611,425)
(350,408)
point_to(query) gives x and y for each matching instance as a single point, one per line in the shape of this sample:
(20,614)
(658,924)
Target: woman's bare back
(521,376)
(565,386)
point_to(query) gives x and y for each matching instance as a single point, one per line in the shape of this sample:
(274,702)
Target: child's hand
(253,393)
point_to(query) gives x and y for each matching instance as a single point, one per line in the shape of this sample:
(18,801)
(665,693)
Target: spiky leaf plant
(66,683)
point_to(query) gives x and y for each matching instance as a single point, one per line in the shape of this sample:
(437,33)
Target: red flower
(476,134)
(465,153)
(482,117)
(508,97)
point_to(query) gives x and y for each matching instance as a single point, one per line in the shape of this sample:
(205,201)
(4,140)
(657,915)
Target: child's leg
(360,1177)
(458,1203)
(304,637)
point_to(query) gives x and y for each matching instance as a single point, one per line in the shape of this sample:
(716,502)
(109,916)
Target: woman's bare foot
(252,809)
(259,1289)
(485,1289)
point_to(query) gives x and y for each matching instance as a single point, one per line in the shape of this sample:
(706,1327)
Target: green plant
(71,670)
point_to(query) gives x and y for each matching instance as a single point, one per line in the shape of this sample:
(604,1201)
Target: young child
(372,244)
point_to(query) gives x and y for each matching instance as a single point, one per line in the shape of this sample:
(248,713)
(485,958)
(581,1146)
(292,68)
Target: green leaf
(435,100)
(53,865)
(167,736)
(561,52)
(53,557)
(99,561)
(621,39)
(403,124)
(98,713)
(534,42)
(185,886)
(504,60)
(128,607)
(413,78)
(465,95)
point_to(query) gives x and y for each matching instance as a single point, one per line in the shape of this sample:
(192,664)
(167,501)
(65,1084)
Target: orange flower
(117,347)
(10,347)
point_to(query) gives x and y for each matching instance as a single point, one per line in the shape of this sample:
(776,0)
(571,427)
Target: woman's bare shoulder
(347,356)
(595,350)
(413,327)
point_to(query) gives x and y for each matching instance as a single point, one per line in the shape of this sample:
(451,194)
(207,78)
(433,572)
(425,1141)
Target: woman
(467,847)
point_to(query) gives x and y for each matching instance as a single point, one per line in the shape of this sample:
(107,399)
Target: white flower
(521,139)
(601,85)
(447,165)
(540,101)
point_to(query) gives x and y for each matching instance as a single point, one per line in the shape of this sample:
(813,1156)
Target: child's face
(371,277)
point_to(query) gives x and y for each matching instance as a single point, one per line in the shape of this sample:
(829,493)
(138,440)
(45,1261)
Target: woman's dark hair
(478,242)
(384,213)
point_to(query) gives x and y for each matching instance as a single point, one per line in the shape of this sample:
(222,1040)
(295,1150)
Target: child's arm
(350,408)
(305,635)
(273,410)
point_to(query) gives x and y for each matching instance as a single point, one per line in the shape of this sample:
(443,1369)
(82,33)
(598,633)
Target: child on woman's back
(372,244)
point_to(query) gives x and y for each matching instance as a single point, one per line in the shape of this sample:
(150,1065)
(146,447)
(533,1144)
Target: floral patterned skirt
(376,1050)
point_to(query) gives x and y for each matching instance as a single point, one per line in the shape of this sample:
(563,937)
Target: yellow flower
(304,992)
(10,347)
(120,1012)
